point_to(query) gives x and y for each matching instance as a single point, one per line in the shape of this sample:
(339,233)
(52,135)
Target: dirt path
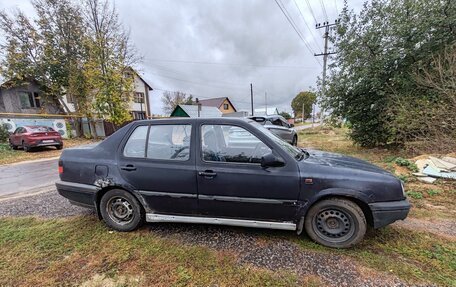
(441,227)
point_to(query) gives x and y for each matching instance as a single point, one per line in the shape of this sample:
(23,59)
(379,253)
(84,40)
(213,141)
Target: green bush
(408,164)
(4,134)
(415,194)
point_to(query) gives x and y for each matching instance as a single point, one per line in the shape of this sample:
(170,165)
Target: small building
(191,111)
(139,107)
(223,104)
(266,111)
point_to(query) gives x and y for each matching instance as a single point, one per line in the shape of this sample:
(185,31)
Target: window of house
(138,115)
(226,143)
(70,99)
(29,100)
(225,106)
(139,97)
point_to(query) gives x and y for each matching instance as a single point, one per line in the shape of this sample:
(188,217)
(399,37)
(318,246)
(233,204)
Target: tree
(170,100)
(378,52)
(285,115)
(306,100)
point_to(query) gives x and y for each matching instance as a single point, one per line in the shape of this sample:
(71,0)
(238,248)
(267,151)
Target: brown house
(223,104)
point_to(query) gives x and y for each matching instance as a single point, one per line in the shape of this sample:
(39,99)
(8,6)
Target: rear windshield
(41,129)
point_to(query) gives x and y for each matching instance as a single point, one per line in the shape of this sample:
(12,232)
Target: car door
(231,181)
(16,136)
(158,161)
(281,129)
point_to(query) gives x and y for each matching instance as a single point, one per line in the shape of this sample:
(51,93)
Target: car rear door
(231,181)
(158,161)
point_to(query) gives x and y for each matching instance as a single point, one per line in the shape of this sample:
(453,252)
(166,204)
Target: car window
(136,144)
(227,143)
(41,129)
(277,122)
(169,142)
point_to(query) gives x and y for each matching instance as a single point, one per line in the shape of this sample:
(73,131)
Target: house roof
(192,111)
(216,102)
(265,112)
(141,78)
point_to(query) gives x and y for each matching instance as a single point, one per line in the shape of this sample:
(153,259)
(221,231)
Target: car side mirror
(291,125)
(270,160)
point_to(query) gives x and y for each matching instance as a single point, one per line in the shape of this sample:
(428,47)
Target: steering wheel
(257,148)
(179,151)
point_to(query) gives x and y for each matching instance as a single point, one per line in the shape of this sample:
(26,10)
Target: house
(191,111)
(139,107)
(26,98)
(266,111)
(223,104)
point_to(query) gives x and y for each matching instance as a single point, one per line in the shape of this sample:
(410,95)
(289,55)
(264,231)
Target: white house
(139,107)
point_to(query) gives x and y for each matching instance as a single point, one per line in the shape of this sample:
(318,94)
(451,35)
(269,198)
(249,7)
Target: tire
(335,222)
(12,145)
(121,211)
(294,142)
(59,147)
(25,147)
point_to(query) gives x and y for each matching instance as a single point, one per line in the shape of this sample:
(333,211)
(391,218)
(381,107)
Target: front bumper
(384,213)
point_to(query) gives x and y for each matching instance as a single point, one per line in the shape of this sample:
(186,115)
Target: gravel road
(249,245)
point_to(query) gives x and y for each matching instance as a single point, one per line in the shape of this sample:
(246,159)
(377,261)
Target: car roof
(192,120)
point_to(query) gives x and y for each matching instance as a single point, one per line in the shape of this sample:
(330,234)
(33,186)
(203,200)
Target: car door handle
(207,174)
(128,167)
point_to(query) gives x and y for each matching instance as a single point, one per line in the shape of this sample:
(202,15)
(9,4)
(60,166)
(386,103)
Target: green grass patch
(59,252)
(416,257)
(415,194)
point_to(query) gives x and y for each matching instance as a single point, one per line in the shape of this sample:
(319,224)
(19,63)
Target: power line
(324,9)
(337,9)
(229,64)
(311,11)
(290,20)
(305,22)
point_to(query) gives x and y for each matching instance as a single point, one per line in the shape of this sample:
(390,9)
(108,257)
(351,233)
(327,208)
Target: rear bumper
(385,213)
(77,193)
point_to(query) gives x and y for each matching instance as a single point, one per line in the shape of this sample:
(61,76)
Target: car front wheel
(336,222)
(121,210)
(295,141)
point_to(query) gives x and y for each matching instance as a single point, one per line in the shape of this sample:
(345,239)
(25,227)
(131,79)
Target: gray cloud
(246,34)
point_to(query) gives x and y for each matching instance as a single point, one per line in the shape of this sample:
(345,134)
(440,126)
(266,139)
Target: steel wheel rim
(334,224)
(120,210)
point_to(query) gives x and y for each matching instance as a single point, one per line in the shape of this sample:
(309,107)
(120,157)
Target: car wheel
(59,147)
(294,141)
(25,147)
(121,210)
(13,146)
(336,222)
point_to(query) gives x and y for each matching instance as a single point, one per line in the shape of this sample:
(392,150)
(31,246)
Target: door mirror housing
(291,125)
(270,160)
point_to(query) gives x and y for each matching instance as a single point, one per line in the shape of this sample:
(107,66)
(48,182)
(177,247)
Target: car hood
(342,161)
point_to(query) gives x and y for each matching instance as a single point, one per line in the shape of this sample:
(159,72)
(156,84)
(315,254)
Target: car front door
(16,136)
(158,161)
(231,181)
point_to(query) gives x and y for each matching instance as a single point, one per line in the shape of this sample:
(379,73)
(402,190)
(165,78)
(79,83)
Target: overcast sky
(215,48)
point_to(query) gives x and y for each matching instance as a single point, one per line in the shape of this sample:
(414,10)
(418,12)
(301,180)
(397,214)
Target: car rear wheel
(336,222)
(294,141)
(121,210)
(25,147)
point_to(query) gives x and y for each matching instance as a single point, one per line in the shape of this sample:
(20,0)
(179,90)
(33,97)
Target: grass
(8,155)
(416,257)
(83,251)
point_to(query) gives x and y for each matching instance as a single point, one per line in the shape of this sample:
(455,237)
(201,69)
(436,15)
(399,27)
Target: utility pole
(325,54)
(199,107)
(266,102)
(251,97)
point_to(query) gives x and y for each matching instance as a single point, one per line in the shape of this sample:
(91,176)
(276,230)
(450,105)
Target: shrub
(415,194)
(408,164)
(4,134)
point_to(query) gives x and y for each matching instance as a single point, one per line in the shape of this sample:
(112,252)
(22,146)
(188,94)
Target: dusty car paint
(238,191)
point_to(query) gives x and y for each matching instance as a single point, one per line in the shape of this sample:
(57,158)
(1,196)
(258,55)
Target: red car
(29,137)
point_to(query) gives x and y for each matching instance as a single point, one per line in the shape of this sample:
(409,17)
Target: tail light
(33,135)
(60,167)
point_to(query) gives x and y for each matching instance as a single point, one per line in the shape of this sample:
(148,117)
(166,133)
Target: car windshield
(293,151)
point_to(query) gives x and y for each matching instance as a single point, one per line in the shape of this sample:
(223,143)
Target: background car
(279,126)
(29,137)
